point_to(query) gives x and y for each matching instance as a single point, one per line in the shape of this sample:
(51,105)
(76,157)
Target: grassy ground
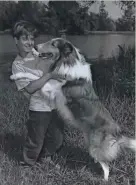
(76,167)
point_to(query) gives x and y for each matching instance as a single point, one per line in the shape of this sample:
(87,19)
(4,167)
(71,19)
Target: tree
(105,23)
(62,10)
(8,14)
(71,15)
(103,15)
(34,12)
(127,22)
(50,17)
(125,4)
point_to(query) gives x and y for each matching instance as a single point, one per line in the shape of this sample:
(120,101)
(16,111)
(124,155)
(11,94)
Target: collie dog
(77,103)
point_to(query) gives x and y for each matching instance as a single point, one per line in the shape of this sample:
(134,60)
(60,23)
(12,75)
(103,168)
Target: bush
(117,74)
(124,71)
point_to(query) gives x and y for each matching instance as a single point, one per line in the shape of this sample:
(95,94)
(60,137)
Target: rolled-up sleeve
(21,83)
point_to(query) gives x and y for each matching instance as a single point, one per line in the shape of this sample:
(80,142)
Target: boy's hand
(55,76)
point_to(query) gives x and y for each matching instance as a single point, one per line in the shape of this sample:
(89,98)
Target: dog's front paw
(12,77)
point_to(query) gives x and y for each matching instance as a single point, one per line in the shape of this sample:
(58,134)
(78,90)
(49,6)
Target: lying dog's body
(101,133)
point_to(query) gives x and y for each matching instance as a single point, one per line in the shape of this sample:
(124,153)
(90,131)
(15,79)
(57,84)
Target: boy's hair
(24,28)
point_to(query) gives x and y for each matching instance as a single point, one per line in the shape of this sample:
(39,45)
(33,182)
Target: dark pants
(45,134)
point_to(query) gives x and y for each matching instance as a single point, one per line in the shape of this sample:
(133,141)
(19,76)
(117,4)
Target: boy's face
(25,43)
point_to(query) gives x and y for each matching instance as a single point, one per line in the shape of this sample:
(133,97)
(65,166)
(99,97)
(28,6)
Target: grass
(76,167)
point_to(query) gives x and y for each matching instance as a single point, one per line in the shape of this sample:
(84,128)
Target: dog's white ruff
(79,70)
(132,144)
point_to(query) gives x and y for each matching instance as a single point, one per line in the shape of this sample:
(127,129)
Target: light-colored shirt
(29,65)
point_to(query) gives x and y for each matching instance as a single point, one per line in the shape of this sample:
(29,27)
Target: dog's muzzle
(45,55)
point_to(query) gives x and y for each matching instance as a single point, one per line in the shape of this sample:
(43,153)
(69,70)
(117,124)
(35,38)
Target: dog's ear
(55,43)
(68,48)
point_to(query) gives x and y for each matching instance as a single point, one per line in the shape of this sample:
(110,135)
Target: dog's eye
(54,44)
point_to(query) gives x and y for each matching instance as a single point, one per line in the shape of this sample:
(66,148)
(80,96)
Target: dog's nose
(40,55)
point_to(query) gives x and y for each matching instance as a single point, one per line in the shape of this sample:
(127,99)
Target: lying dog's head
(65,57)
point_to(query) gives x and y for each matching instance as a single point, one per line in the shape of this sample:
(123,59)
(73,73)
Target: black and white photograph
(67,92)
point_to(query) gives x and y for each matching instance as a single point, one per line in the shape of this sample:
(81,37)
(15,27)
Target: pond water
(94,46)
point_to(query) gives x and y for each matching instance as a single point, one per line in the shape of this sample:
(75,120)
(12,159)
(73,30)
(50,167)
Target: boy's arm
(36,85)
(32,86)
(20,83)
(25,83)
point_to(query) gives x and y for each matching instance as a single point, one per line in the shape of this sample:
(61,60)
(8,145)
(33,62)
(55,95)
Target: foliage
(73,16)
(8,14)
(124,70)
(127,21)
(117,74)
(124,4)
(105,23)
(124,24)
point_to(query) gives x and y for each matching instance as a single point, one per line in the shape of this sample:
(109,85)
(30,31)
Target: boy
(40,113)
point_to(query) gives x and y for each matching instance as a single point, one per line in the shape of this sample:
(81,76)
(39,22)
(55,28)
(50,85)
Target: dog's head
(60,51)
(64,58)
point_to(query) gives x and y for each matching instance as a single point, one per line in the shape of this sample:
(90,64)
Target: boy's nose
(30,42)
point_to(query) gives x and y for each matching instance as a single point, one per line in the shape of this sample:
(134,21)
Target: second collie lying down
(84,111)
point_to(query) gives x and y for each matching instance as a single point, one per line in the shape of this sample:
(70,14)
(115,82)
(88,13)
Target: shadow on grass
(67,156)
(12,146)
(77,158)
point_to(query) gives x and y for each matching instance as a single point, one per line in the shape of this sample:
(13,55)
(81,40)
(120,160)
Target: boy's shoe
(45,158)
(49,160)
(25,165)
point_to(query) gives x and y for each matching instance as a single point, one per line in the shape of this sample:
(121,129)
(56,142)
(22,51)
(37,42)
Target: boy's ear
(16,40)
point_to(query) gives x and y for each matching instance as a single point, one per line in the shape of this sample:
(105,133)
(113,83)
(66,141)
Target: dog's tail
(112,146)
(126,142)
(110,149)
